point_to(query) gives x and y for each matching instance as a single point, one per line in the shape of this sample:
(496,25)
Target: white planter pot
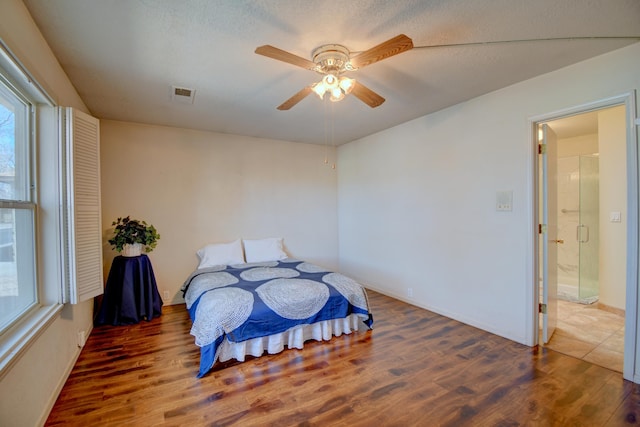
(132,250)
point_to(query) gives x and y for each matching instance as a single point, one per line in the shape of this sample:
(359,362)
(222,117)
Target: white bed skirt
(293,338)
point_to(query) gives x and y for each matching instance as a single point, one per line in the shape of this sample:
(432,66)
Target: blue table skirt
(131,293)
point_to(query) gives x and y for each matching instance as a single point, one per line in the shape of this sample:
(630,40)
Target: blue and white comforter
(247,301)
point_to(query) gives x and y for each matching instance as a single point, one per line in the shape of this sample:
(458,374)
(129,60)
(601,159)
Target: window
(31,228)
(18,290)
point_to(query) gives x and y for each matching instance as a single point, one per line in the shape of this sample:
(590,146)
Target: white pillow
(221,254)
(262,250)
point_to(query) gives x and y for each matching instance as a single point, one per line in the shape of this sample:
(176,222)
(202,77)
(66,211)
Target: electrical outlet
(409,292)
(82,338)
(165,295)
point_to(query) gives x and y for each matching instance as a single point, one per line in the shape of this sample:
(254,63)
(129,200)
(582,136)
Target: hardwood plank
(414,368)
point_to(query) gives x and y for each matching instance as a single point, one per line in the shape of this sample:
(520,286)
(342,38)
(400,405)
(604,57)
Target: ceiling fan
(332,60)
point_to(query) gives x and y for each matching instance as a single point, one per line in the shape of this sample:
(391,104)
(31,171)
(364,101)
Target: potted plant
(131,235)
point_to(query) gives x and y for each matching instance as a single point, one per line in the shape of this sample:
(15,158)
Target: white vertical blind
(83,211)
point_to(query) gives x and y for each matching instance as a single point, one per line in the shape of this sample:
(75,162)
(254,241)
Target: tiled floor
(589,333)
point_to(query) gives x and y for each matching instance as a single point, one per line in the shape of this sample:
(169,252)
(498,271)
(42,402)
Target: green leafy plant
(129,231)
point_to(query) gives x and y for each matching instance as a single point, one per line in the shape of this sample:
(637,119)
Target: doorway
(593,276)
(590,303)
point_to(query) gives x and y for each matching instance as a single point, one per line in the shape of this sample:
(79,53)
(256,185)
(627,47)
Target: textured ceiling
(124,56)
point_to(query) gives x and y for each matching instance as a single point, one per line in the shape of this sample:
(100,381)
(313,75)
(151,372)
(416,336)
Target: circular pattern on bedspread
(205,282)
(221,311)
(294,298)
(349,288)
(266,273)
(307,267)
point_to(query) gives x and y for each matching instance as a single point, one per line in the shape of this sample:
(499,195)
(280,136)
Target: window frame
(48,258)
(24,196)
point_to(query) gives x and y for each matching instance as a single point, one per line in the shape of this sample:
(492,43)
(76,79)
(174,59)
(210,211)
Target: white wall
(30,386)
(417,202)
(578,145)
(613,198)
(201,187)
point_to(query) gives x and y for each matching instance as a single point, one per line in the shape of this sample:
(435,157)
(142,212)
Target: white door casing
(549,230)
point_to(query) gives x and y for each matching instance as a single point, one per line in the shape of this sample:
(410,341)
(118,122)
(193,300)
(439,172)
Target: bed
(253,307)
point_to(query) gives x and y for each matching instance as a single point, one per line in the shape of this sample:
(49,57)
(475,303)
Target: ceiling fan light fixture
(346,84)
(336,94)
(337,87)
(319,89)
(330,81)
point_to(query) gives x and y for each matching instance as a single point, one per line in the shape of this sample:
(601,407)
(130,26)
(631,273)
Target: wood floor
(415,368)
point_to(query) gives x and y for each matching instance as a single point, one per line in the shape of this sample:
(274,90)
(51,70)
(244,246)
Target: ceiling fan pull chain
(333,131)
(326,138)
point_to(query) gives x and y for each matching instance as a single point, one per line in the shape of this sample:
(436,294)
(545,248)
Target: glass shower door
(588,229)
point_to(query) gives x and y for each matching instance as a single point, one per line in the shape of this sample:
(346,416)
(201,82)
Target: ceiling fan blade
(510,41)
(384,50)
(295,98)
(282,55)
(366,95)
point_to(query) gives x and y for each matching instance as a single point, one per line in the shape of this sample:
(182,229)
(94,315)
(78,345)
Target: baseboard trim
(610,309)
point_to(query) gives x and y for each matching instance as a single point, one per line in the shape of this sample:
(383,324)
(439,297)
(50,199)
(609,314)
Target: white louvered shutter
(83,210)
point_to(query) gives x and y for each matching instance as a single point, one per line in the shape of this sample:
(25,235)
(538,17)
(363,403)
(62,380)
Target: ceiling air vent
(182,95)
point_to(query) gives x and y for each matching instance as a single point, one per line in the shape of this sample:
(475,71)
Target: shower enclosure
(578,228)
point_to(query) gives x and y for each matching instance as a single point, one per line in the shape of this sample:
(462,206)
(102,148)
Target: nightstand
(131,293)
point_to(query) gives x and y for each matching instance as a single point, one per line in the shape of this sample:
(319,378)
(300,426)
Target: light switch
(614,217)
(504,201)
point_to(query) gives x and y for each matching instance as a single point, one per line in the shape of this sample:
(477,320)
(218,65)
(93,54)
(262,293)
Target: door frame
(548,239)
(632,323)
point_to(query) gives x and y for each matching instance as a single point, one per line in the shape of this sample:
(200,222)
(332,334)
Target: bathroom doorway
(591,236)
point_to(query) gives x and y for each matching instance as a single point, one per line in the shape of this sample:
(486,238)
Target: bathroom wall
(613,198)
